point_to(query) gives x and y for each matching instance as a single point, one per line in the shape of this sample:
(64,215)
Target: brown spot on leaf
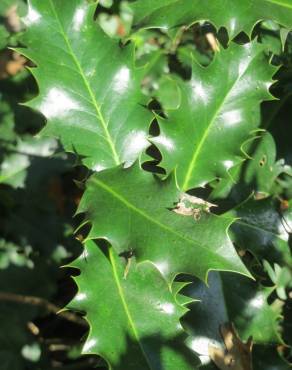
(189,205)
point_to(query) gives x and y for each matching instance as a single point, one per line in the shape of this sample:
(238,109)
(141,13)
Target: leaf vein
(87,85)
(126,309)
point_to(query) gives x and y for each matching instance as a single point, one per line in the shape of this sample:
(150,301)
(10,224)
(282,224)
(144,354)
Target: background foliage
(115,110)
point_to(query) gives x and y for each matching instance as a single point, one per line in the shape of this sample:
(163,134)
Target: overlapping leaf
(233,299)
(133,316)
(90,95)
(235,15)
(132,210)
(219,108)
(89,86)
(256,174)
(262,229)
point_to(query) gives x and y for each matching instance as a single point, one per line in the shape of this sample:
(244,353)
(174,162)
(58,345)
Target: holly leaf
(262,229)
(145,332)
(142,210)
(219,108)
(89,85)
(235,15)
(230,298)
(258,173)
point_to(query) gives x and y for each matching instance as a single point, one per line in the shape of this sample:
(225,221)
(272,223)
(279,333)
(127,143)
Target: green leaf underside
(219,108)
(134,319)
(89,85)
(136,202)
(235,15)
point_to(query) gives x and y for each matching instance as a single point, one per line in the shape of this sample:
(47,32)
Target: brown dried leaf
(237,355)
(11,63)
(13,23)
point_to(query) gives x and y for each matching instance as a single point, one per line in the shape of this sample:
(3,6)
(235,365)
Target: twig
(33,328)
(88,362)
(36,301)
(59,347)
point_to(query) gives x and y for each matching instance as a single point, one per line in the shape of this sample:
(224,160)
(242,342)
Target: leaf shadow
(161,354)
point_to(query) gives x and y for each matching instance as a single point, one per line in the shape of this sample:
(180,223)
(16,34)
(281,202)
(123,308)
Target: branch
(36,301)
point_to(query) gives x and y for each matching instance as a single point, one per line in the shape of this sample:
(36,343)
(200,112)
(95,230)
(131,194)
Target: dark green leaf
(230,298)
(258,173)
(139,206)
(219,108)
(262,230)
(133,316)
(89,85)
(235,15)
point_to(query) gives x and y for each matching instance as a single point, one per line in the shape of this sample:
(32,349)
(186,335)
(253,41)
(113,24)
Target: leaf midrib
(206,133)
(145,215)
(87,85)
(125,306)
(280,3)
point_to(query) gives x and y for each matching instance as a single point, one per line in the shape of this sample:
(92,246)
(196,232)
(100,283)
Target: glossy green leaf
(235,15)
(89,85)
(262,229)
(90,91)
(219,108)
(258,173)
(139,206)
(133,316)
(230,298)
